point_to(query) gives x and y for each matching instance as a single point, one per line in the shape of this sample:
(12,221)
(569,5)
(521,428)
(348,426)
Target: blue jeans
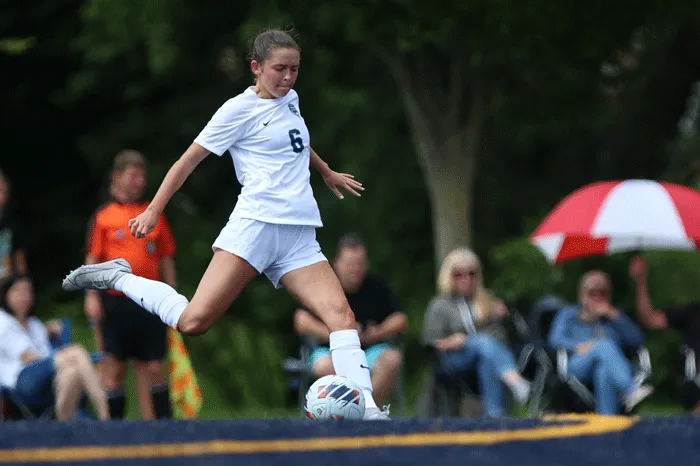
(492,359)
(610,372)
(35,384)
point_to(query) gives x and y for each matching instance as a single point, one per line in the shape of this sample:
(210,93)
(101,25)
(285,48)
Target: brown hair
(269,40)
(5,288)
(128,158)
(349,241)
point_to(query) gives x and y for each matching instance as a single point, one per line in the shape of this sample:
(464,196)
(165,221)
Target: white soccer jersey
(269,143)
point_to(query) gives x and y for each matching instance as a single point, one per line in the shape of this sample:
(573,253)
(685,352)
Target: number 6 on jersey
(297,142)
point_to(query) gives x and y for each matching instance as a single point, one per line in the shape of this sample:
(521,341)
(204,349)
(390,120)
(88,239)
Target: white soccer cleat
(100,276)
(375,414)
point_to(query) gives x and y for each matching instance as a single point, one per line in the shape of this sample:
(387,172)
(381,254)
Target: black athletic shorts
(131,332)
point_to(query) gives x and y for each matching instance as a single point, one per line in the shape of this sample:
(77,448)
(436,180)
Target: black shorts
(131,332)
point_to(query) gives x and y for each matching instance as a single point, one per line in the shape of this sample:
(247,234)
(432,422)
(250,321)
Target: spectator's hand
(54,327)
(335,180)
(638,268)
(453,342)
(93,307)
(605,309)
(144,223)
(585,347)
(371,335)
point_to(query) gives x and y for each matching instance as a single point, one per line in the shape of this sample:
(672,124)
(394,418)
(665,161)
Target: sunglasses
(463,273)
(597,292)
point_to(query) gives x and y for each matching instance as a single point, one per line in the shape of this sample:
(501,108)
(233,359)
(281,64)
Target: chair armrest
(521,327)
(690,363)
(562,363)
(526,353)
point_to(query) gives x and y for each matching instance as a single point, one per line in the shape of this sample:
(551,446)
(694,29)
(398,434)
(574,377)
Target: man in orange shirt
(125,330)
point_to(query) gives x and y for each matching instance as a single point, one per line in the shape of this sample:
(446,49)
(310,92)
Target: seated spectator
(40,376)
(685,319)
(379,319)
(465,324)
(595,334)
(13,260)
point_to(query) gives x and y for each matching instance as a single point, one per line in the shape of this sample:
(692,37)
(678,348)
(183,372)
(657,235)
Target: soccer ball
(334,397)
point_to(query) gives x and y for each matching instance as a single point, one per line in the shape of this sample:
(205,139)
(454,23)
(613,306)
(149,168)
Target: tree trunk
(450,199)
(447,140)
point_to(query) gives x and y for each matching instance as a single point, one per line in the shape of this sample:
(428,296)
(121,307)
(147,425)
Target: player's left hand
(335,180)
(144,223)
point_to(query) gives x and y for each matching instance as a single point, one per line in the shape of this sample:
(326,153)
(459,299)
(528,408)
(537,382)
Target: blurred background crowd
(466,125)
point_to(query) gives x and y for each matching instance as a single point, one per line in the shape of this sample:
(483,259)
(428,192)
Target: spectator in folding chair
(38,375)
(380,321)
(464,323)
(684,319)
(595,334)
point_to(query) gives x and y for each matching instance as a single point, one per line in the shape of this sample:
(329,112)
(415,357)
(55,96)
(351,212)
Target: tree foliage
(488,112)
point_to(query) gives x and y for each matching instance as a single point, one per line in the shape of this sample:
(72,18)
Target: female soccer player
(272,229)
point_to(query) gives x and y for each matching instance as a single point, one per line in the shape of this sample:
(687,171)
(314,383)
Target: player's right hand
(143,224)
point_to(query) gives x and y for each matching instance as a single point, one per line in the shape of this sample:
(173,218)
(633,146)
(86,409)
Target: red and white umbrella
(616,216)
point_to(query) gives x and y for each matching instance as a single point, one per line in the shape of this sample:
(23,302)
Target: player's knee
(193,325)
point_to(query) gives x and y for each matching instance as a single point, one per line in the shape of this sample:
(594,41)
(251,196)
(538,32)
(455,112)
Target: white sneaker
(100,276)
(375,414)
(636,396)
(523,393)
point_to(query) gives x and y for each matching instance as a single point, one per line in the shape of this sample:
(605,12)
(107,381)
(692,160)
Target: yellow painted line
(582,425)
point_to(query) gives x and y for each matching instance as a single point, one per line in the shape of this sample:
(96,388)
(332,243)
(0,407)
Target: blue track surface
(562,441)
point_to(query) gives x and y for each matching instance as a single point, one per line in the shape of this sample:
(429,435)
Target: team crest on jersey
(119,233)
(151,247)
(293,109)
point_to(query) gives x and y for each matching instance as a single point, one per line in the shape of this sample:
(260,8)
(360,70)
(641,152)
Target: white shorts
(272,249)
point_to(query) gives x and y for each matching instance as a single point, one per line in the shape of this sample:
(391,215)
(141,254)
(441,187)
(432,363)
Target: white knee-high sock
(350,361)
(156,297)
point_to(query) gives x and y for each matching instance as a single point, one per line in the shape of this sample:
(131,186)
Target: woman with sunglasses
(464,323)
(594,334)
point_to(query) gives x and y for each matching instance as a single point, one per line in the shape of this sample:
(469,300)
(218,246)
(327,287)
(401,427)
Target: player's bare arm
(175,178)
(335,180)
